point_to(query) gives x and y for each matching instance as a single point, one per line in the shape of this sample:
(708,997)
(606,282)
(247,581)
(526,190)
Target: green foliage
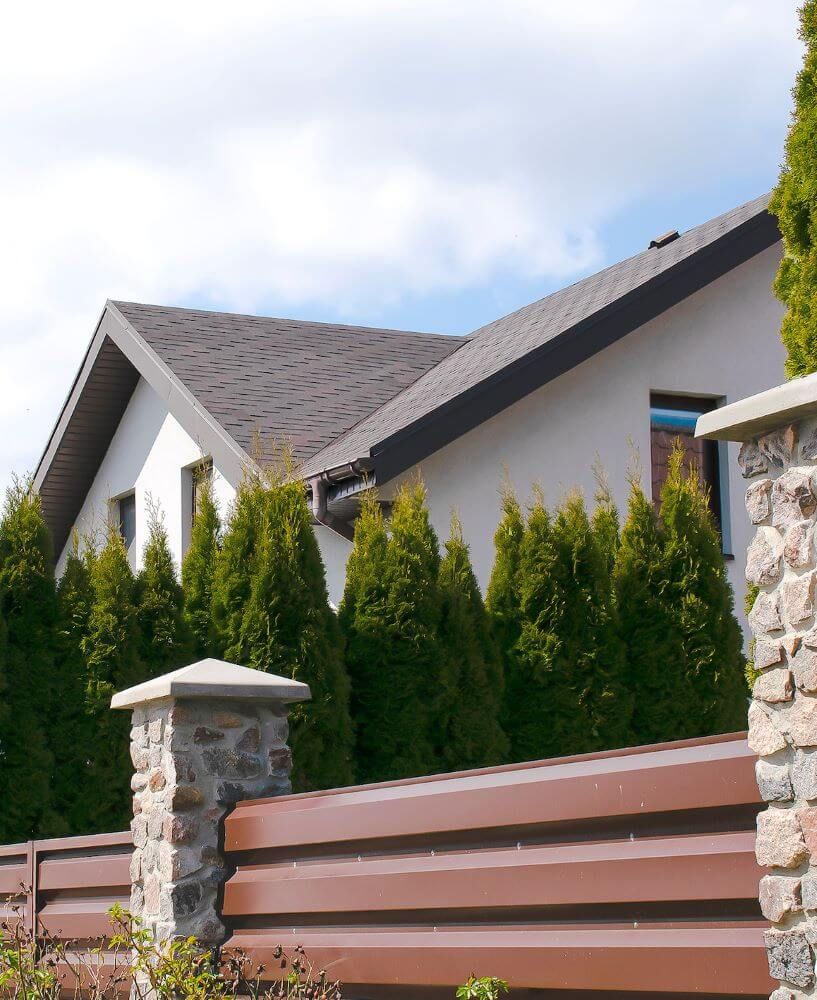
(390,616)
(654,654)
(111,650)
(794,202)
(752,590)
(232,580)
(74,736)
(28,606)
(288,628)
(468,730)
(702,606)
(198,573)
(165,641)
(540,703)
(502,599)
(484,988)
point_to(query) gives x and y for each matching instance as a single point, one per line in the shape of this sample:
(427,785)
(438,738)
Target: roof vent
(662,241)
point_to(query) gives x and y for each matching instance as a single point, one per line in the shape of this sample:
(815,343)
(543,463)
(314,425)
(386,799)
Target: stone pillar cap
(213,679)
(764,412)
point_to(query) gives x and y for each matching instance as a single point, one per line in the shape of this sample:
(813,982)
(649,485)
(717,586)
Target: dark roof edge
(410,445)
(228,456)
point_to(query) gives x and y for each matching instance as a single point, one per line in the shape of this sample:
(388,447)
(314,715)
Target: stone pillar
(781,500)
(203,737)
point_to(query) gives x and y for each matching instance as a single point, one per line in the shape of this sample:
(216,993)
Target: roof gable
(507,359)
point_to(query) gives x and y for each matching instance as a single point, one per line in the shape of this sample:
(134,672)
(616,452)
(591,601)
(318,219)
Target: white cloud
(346,154)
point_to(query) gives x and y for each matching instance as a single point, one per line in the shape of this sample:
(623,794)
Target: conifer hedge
(794,204)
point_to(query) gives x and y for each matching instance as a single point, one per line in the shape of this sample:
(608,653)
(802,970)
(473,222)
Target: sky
(424,165)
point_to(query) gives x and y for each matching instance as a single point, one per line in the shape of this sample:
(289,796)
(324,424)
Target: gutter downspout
(320,510)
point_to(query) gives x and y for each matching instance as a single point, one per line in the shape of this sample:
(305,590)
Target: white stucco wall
(151,455)
(723,341)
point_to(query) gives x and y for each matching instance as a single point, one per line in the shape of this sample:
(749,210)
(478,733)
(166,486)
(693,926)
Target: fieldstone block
(808,445)
(774,686)
(783,993)
(792,498)
(798,598)
(180,829)
(764,559)
(764,737)
(765,614)
(206,735)
(790,957)
(767,654)
(780,842)
(250,741)
(808,824)
(759,500)
(791,643)
(228,720)
(804,774)
(779,896)
(226,763)
(184,797)
(751,461)
(186,897)
(778,446)
(798,546)
(774,781)
(804,665)
(808,890)
(799,719)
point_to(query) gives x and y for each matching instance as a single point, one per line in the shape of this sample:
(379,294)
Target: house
(613,366)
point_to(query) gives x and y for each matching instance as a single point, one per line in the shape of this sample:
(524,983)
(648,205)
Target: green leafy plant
(482,988)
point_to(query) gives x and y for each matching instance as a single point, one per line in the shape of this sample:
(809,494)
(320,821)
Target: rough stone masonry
(216,739)
(782,503)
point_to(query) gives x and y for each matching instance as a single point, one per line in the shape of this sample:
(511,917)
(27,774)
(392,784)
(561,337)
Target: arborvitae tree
(75,738)
(606,525)
(165,641)
(467,728)
(591,654)
(232,579)
(540,704)
(111,651)
(654,656)
(289,628)
(391,615)
(702,605)
(28,605)
(502,599)
(795,206)
(752,590)
(198,574)
(362,617)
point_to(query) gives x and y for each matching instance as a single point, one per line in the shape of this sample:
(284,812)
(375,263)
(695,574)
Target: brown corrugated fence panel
(625,873)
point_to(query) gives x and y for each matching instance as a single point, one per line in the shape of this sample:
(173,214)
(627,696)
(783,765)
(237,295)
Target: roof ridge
(351,327)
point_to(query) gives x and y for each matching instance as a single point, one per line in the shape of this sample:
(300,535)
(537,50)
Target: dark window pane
(671,420)
(201,475)
(127,519)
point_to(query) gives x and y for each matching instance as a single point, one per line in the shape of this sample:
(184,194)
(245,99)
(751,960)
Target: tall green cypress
(702,604)
(391,616)
(362,617)
(289,628)
(165,641)
(198,573)
(232,579)
(28,606)
(111,650)
(654,655)
(467,729)
(591,654)
(502,599)
(795,206)
(75,738)
(540,705)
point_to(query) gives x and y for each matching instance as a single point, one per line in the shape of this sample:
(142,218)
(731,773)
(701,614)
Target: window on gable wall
(200,476)
(673,418)
(126,515)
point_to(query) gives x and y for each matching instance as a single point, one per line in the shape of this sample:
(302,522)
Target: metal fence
(66,886)
(605,875)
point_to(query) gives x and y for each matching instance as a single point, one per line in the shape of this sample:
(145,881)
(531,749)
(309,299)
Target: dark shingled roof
(497,347)
(289,380)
